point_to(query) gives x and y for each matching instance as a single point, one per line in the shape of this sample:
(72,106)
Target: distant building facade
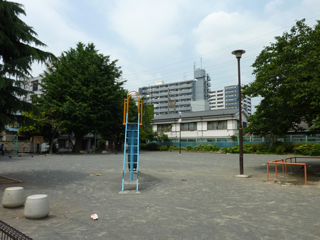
(227,98)
(183,96)
(208,126)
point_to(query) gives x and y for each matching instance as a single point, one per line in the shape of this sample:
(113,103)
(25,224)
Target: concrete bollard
(13,197)
(37,206)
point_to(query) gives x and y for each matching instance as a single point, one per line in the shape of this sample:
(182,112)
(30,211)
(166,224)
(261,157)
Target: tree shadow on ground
(46,178)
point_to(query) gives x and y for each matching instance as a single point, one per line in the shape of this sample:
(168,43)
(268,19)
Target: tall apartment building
(227,98)
(184,96)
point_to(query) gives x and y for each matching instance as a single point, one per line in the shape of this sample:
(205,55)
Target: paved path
(188,196)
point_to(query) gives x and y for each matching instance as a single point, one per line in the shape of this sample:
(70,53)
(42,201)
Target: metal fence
(9,233)
(228,142)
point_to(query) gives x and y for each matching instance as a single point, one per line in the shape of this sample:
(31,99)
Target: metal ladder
(131,141)
(131,153)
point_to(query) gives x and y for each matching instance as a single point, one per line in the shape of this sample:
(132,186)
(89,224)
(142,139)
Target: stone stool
(37,206)
(13,197)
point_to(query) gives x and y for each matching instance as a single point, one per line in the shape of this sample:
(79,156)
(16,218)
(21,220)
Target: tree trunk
(70,143)
(52,140)
(77,145)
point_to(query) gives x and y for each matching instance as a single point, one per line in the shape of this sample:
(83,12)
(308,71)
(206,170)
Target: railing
(295,160)
(9,233)
(283,163)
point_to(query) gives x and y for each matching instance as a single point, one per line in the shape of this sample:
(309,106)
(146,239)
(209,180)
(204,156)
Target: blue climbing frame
(131,142)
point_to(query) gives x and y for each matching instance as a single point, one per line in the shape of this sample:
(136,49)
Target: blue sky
(163,40)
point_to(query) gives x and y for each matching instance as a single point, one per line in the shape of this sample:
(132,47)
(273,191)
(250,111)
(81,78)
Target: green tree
(161,136)
(146,133)
(81,86)
(44,124)
(287,79)
(16,56)
(115,133)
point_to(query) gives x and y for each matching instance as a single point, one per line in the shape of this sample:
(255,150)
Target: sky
(164,40)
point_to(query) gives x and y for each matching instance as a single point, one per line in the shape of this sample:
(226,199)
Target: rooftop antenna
(201,62)
(194,66)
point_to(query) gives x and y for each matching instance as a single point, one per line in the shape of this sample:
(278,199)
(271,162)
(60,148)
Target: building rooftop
(198,114)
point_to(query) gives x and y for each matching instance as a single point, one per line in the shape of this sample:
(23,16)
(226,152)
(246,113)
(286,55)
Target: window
(244,124)
(188,126)
(217,125)
(163,127)
(35,86)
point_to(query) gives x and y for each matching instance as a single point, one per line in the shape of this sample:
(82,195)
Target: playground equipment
(284,163)
(131,142)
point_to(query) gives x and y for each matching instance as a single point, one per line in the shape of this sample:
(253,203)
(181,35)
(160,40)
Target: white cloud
(221,30)
(273,6)
(146,24)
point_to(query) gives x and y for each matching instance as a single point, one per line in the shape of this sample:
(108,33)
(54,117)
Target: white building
(183,96)
(227,98)
(207,126)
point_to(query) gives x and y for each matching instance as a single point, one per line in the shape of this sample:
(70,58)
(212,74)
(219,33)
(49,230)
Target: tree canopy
(16,57)
(287,78)
(81,87)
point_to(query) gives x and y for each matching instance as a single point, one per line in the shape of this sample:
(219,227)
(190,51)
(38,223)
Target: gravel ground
(187,196)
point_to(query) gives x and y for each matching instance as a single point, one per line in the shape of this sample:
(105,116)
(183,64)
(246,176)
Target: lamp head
(238,53)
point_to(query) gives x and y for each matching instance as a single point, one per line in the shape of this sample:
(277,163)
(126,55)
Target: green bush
(151,147)
(211,148)
(303,149)
(312,149)
(199,148)
(272,149)
(261,147)
(102,144)
(247,148)
(288,147)
(315,150)
(189,148)
(164,148)
(172,148)
(280,149)
(234,149)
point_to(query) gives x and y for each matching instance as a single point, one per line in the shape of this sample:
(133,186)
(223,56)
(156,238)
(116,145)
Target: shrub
(288,147)
(280,149)
(199,148)
(247,148)
(172,148)
(303,149)
(212,148)
(102,144)
(164,148)
(142,146)
(272,149)
(189,148)
(234,149)
(261,147)
(151,147)
(315,150)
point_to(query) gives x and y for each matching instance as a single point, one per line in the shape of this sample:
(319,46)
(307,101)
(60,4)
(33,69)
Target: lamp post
(238,54)
(180,120)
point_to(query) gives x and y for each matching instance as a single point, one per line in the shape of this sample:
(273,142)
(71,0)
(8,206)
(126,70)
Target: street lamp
(180,120)
(238,54)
